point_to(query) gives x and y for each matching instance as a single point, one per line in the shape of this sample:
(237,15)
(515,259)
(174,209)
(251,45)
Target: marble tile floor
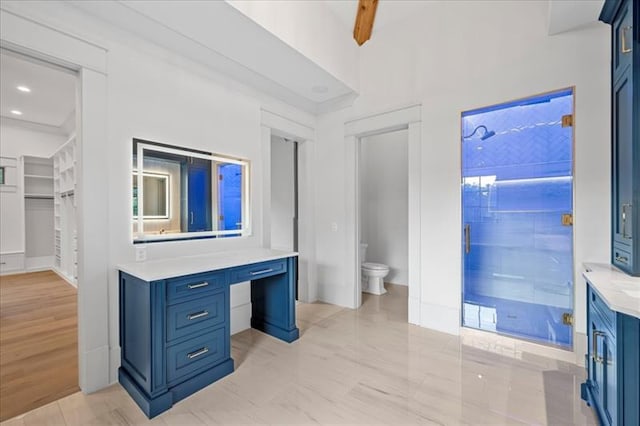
(365,367)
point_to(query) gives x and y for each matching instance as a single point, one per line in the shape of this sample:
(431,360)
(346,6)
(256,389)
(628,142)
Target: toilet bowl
(372,274)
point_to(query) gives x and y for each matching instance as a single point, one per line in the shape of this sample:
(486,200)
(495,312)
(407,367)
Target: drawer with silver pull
(258,270)
(622,258)
(195,354)
(193,286)
(188,318)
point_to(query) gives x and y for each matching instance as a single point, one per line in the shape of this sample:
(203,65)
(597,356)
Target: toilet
(372,274)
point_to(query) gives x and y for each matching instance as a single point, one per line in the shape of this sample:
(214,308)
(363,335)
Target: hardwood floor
(38,341)
(364,367)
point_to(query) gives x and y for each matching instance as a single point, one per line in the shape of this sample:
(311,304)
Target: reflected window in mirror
(187,193)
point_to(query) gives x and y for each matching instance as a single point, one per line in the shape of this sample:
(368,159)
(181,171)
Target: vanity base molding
(161,403)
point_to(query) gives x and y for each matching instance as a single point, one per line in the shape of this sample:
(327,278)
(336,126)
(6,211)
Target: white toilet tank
(363,252)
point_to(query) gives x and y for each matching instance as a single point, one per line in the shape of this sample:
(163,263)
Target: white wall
(282,193)
(17,141)
(299,24)
(384,202)
(454,57)
(156,95)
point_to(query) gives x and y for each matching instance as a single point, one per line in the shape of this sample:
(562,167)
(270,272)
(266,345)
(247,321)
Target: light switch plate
(141,253)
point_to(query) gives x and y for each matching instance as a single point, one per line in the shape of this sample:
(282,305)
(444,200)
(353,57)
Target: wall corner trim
(383,122)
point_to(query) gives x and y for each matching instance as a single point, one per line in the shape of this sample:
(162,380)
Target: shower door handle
(467,238)
(623,41)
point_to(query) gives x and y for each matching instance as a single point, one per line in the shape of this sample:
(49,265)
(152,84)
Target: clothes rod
(39,197)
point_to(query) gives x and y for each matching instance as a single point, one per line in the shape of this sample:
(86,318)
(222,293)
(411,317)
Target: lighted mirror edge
(139,237)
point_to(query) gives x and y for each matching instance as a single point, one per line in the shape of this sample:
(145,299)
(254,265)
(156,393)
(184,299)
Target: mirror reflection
(188,193)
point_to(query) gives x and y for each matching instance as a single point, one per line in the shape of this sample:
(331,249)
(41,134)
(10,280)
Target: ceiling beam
(364,20)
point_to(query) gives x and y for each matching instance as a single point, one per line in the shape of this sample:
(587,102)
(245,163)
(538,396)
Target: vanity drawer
(195,354)
(193,286)
(258,270)
(196,315)
(608,316)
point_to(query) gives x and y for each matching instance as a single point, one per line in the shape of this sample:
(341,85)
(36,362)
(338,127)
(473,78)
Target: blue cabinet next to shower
(624,18)
(613,383)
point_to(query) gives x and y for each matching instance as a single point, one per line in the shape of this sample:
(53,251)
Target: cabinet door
(622,168)
(622,40)
(610,380)
(596,370)
(602,367)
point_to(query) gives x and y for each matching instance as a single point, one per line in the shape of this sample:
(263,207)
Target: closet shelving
(38,211)
(65,234)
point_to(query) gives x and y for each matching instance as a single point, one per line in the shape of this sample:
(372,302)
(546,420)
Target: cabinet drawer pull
(197,353)
(194,286)
(624,48)
(263,271)
(622,259)
(595,356)
(198,315)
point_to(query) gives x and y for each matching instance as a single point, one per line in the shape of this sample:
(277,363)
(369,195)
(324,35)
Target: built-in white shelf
(39,177)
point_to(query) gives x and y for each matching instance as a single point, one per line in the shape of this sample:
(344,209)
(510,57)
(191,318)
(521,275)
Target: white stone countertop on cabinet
(621,292)
(153,270)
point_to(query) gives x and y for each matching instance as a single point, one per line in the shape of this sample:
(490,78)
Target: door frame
(89,61)
(274,124)
(409,118)
(548,349)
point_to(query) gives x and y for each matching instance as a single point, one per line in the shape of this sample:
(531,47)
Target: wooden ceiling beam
(364,20)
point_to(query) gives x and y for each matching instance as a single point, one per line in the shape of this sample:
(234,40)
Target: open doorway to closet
(284,195)
(38,249)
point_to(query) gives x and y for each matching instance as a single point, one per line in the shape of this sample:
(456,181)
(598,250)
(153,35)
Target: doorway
(517,218)
(384,214)
(38,233)
(284,195)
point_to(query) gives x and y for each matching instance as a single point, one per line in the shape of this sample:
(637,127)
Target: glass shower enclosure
(517,217)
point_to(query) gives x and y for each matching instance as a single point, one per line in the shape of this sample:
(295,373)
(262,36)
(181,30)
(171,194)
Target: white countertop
(621,292)
(178,266)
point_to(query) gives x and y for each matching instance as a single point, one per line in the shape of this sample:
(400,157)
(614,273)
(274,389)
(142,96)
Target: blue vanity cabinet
(175,332)
(613,383)
(624,18)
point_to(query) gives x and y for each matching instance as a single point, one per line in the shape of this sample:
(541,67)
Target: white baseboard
(95,374)
(440,318)
(240,318)
(64,276)
(414,311)
(39,263)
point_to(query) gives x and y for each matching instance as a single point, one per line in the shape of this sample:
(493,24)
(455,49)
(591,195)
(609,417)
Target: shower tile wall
(516,186)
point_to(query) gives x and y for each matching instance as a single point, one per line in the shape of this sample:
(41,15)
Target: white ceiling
(564,15)
(52,97)
(216,34)
(388,12)
(567,15)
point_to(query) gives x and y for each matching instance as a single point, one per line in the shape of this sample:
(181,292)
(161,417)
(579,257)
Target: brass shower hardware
(567,219)
(567,319)
(567,120)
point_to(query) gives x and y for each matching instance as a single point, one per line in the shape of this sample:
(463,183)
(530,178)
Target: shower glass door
(517,197)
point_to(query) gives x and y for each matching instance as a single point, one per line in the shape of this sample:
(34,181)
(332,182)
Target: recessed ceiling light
(24,89)
(16,112)
(320,89)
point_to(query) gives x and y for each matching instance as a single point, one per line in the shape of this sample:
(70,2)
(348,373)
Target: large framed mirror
(187,194)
